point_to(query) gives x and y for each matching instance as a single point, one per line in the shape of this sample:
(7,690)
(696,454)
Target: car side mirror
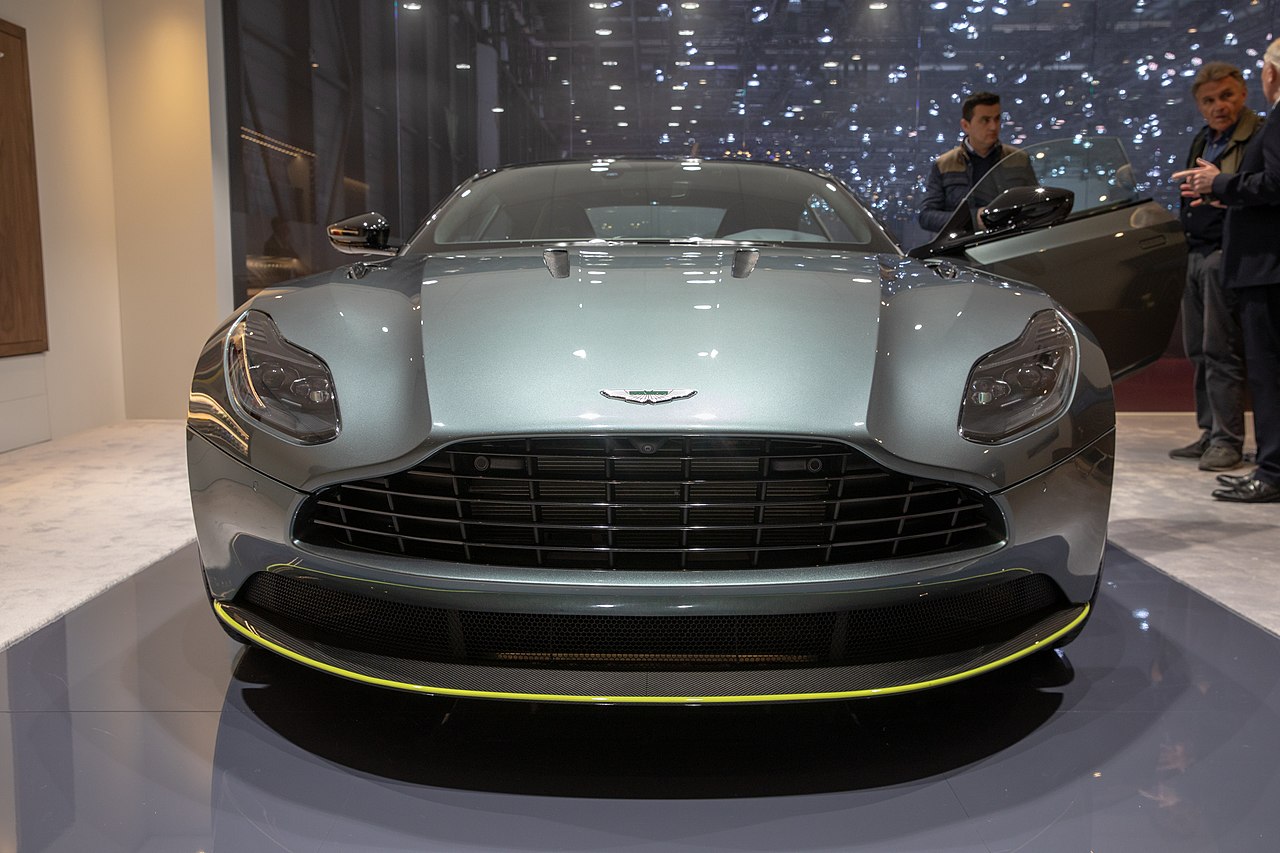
(1027,207)
(365,234)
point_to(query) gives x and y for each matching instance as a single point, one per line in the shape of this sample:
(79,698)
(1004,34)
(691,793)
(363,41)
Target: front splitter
(653,688)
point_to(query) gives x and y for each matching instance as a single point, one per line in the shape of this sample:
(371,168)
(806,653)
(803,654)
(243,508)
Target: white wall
(133,210)
(79,382)
(158,88)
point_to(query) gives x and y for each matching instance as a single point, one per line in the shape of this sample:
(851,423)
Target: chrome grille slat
(686,481)
(400,517)
(690,505)
(670,548)
(681,502)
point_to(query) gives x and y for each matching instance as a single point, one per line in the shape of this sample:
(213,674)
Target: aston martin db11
(681,431)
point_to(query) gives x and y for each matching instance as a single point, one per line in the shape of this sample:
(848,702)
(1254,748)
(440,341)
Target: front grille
(638,503)
(927,625)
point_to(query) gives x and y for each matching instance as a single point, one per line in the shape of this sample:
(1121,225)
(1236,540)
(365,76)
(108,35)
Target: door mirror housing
(1027,207)
(365,234)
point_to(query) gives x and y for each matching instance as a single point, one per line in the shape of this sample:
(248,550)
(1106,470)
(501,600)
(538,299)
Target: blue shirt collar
(1219,138)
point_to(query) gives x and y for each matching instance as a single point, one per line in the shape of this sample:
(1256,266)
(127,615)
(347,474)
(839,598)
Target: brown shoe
(1194,450)
(1220,457)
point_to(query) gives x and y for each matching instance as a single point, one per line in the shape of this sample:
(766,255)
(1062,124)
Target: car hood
(874,350)
(795,346)
(506,344)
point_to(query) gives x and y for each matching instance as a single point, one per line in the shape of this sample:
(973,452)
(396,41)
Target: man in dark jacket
(1210,325)
(960,169)
(1251,267)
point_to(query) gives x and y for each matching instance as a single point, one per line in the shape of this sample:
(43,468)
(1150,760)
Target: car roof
(728,161)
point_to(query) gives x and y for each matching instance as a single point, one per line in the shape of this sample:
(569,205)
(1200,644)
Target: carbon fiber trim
(655,687)
(940,622)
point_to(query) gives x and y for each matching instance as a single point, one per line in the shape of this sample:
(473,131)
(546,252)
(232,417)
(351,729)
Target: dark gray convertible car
(681,431)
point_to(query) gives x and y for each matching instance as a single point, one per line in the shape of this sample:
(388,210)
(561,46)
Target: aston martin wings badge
(648,396)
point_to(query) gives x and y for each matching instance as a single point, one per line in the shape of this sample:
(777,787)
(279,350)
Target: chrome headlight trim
(277,384)
(1023,384)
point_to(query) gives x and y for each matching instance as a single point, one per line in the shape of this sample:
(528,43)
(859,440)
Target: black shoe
(1194,450)
(1251,492)
(1232,481)
(1220,457)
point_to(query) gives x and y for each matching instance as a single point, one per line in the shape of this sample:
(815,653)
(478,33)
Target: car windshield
(651,201)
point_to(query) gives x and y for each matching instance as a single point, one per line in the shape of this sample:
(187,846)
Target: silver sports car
(681,431)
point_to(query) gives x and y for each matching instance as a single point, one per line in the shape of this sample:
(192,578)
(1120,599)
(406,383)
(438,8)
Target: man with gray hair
(1210,324)
(1251,269)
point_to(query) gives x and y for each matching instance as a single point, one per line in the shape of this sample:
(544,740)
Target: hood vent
(744,262)
(557,261)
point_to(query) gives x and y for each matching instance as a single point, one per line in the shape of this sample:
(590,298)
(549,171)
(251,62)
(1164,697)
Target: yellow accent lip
(647,700)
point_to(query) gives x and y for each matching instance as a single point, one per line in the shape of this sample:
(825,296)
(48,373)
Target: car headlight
(281,385)
(1022,384)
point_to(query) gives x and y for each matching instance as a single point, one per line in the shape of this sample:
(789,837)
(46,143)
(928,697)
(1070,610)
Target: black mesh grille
(928,625)
(650,504)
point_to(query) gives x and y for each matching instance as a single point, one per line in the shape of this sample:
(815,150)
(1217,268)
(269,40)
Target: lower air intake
(930,625)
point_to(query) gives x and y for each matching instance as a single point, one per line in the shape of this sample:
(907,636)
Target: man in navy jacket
(1251,267)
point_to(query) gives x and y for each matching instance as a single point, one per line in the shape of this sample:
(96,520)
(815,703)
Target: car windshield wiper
(662,241)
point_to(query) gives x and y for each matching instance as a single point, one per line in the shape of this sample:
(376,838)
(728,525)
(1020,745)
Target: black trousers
(1213,342)
(1260,322)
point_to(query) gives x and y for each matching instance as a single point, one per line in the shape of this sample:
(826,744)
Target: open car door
(1084,235)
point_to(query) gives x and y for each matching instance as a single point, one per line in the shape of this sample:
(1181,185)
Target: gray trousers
(1214,343)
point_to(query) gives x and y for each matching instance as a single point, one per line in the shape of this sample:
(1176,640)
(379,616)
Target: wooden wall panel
(23,327)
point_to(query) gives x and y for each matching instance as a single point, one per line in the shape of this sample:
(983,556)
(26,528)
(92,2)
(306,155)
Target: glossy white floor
(79,514)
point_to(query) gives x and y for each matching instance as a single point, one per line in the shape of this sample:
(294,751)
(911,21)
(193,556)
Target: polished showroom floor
(132,723)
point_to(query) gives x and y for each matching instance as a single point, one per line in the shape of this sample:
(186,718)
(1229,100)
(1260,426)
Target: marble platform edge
(1274,630)
(1163,512)
(81,513)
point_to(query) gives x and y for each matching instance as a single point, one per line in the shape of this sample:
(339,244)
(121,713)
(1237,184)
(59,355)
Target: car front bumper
(332,609)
